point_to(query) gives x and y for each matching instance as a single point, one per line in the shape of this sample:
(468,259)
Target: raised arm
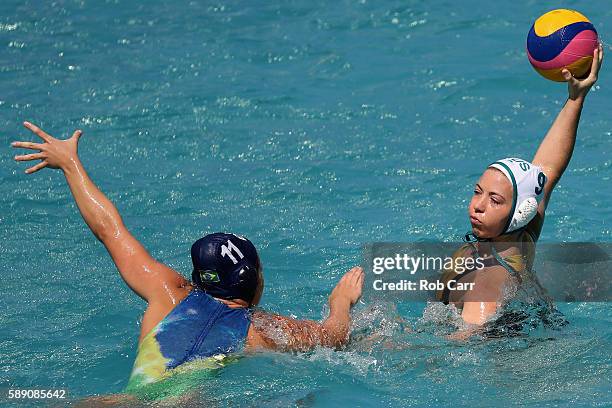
(288,334)
(556,149)
(150,279)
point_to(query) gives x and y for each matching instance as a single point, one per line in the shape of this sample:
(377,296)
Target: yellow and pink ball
(561,39)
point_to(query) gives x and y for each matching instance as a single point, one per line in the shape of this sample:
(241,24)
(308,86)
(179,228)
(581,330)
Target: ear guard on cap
(226,266)
(240,283)
(524,213)
(528,183)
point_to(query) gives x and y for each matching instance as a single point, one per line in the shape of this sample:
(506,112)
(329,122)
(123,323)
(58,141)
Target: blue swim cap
(226,266)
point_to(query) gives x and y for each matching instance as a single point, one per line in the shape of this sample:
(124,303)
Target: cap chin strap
(470,238)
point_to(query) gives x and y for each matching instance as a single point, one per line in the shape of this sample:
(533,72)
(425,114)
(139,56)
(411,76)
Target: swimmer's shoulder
(158,309)
(263,325)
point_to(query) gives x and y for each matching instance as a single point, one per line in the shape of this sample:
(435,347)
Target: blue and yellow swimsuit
(200,329)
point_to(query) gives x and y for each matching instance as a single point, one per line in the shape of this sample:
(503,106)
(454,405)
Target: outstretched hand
(53,153)
(578,88)
(348,288)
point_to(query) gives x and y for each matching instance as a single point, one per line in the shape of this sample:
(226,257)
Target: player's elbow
(108,229)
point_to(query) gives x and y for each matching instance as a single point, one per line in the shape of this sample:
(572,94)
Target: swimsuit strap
(505,264)
(490,261)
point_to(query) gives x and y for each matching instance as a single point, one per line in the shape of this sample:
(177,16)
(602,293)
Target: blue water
(312,128)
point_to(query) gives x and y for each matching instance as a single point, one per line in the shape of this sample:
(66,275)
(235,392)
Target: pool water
(312,128)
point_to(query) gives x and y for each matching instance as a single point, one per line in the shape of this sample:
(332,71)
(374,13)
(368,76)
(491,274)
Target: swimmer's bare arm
(481,303)
(149,278)
(556,149)
(286,334)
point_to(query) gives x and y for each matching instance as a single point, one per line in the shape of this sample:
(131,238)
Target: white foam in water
(438,313)
(349,360)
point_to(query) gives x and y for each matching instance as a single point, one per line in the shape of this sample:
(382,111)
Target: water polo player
(201,320)
(507,211)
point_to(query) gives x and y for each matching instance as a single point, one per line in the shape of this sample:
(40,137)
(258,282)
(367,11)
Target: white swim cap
(527,190)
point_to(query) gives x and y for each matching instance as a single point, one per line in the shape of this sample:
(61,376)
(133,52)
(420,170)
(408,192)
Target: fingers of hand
(28,157)
(599,57)
(28,145)
(357,276)
(596,63)
(77,133)
(344,278)
(37,167)
(567,75)
(356,272)
(38,131)
(349,273)
(360,279)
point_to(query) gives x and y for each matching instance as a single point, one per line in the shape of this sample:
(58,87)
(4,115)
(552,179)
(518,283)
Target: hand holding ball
(562,39)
